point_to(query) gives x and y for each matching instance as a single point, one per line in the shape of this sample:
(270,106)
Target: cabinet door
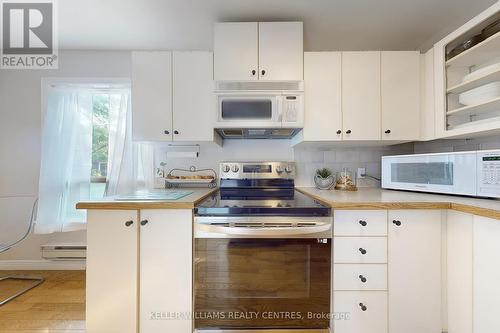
(459,272)
(428,114)
(236,51)
(323,97)
(360,312)
(361,95)
(165,270)
(414,271)
(193,102)
(281,51)
(486,274)
(400,86)
(112,260)
(152,96)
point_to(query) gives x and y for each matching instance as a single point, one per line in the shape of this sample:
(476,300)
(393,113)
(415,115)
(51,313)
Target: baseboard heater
(64,251)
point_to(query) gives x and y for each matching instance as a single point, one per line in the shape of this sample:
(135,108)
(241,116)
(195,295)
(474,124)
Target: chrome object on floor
(36,280)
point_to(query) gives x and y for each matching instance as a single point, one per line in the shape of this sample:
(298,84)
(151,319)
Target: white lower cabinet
(360,277)
(112,271)
(361,250)
(139,271)
(360,311)
(459,271)
(486,270)
(414,248)
(165,271)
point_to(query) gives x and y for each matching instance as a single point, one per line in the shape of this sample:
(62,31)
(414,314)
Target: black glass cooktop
(264,202)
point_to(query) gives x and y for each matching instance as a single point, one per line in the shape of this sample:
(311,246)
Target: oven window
(275,282)
(435,173)
(247,109)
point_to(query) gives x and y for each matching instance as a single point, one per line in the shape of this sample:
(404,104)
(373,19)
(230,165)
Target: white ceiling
(328,24)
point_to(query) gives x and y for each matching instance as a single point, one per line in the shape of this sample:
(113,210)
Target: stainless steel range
(262,254)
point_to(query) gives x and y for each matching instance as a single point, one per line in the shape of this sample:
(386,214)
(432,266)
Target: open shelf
(489,106)
(474,83)
(479,54)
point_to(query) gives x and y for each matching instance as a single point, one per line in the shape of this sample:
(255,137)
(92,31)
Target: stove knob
(226,168)
(279,169)
(235,168)
(289,169)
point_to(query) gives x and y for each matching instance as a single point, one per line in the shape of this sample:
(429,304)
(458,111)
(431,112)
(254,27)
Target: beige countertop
(376,198)
(187,202)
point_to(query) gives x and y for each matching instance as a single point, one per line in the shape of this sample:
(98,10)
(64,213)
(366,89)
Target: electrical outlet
(361,172)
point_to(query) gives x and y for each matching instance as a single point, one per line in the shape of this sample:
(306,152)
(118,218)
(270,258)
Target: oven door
(441,173)
(262,283)
(248,110)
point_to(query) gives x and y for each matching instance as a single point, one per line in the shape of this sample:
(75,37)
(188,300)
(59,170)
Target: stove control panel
(257,170)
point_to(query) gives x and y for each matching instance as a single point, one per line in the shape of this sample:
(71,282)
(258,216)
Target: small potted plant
(324,179)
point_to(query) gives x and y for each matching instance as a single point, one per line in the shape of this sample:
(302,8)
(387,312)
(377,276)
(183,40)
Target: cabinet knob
(144,222)
(263,72)
(363,251)
(396,222)
(339,132)
(176,132)
(348,132)
(363,307)
(363,223)
(362,278)
(166,132)
(129,223)
(254,72)
(388,131)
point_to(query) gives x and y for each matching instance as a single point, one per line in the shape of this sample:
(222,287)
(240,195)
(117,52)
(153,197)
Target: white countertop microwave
(472,173)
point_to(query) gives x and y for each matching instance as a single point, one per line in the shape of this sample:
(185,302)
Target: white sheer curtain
(66,159)
(131,164)
(65,173)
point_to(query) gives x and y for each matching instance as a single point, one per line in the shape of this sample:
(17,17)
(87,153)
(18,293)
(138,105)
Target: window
(87,151)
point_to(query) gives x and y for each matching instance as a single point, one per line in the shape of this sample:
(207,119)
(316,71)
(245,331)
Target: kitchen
(264,181)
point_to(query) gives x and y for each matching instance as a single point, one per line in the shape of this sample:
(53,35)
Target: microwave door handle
(263,232)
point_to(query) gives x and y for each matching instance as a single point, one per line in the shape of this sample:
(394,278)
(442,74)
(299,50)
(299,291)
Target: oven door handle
(263,231)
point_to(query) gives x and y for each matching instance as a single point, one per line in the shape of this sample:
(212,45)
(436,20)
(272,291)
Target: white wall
(20,133)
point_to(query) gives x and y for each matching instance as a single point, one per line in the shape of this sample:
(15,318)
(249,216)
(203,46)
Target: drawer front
(360,250)
(366,311)
(360,223)
(360,277)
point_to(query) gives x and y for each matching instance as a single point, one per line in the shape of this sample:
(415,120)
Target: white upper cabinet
(193,114)
(427,112)
(414,248)
(460,109)
(323,96)
(258,51)
(172,96)
(361,95)
(236,51)
(281,51)
(152,96)
(400,92)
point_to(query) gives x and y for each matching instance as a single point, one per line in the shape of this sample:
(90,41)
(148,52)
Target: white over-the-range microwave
(256,106)
(471,173)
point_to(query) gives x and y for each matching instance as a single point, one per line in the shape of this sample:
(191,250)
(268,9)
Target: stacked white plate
(483,93)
